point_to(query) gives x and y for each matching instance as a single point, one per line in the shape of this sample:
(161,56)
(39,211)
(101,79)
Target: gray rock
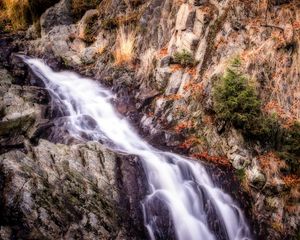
(88,55)
(55,191)
(256,178)
(32,32)
(59,14)
(174,83)
(162,76)
(165,61)
(238,156)
(62,192)
(20,111)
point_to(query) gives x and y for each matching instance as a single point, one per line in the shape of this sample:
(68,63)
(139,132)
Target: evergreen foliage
(184,58)
(235,100)
(289,149)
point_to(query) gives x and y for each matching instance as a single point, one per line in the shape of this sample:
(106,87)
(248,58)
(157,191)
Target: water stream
(180,185)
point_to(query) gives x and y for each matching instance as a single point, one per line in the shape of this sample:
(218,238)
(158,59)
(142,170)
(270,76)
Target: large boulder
(60,192)
(59,14)
(20,111)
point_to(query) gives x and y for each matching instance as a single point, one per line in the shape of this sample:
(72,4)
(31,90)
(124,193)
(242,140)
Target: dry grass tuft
(124,51)
(18,14)
(101,46)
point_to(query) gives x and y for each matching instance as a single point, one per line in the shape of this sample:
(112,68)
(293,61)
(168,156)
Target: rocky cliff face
(58,191)
(165,57)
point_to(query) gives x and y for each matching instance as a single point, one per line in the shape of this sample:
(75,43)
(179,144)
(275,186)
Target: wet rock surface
(59,191)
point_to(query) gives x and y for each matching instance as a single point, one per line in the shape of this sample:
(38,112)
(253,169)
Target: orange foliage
(192,71)
(150,114)
(183,125)
(291,180)
(215,159)
(273,106)
(173,97)
(208,120)
(194,87)
(163,52)
(271,163)
(296,25)
(221,41)
(175,67)
(188,143)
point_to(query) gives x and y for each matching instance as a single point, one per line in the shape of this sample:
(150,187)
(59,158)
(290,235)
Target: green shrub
(184,58)
(235,100)
(240,174)
(289,148)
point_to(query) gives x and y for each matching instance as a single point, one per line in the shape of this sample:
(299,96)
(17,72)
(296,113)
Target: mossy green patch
(184,58)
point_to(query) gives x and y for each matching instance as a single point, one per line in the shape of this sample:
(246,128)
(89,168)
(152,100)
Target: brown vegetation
(18,14)
(124,51)
(223,161)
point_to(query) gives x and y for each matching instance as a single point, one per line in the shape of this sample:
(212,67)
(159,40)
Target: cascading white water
(179,184)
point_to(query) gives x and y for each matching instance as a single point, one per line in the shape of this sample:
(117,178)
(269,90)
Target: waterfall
(179,188)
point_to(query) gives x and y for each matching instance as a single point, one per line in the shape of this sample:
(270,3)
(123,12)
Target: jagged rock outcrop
(58,191)
(63,192)
(21,111)
(59,14)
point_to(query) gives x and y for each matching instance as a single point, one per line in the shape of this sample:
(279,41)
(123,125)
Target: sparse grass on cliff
(124,51)
(18,14)
(184,58)
(147,65)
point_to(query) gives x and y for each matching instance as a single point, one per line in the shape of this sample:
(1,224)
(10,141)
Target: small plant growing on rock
(240,174)
(21,13)
(184,58)
(235,99)
(124,52)
(289,149)
(236,102)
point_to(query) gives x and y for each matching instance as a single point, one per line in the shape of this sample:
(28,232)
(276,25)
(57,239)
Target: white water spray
(180,185)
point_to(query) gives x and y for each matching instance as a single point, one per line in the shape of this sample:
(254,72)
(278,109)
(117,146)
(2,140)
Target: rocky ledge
(58,191)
